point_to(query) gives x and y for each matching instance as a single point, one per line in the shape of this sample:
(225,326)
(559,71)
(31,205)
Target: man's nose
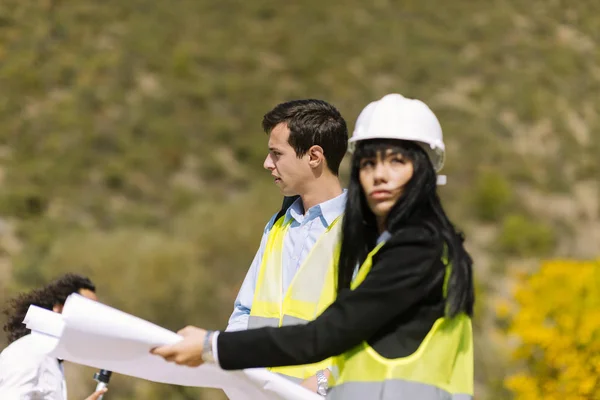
(268,164)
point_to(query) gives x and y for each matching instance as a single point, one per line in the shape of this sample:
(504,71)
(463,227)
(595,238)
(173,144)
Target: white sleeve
(215,348)
(20,379)
(28,375)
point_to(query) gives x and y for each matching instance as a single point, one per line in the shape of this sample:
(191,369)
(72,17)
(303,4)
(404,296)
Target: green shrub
(492,196)
(521,236)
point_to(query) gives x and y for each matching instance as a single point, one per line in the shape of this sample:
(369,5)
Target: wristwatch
(207,348)
(322,383)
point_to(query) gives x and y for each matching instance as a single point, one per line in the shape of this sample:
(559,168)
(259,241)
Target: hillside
(131,147)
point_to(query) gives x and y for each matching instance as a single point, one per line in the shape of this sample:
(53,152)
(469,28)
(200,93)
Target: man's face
(89,294)
(84,292)
(291,173)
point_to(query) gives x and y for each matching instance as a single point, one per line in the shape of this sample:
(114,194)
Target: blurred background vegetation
(131,151)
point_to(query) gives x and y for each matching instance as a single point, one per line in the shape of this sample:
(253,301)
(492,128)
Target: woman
(26,372)
(400,325)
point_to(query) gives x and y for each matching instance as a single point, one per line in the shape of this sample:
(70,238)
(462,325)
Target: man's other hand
(96,395)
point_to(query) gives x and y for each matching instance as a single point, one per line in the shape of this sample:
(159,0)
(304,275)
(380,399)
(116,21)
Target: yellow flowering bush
(558,330)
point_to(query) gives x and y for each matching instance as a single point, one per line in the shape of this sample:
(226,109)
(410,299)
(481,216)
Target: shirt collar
(383,237)
(329,210)
(296,211)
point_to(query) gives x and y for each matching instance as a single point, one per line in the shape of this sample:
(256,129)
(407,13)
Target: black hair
(312,122)
(56,292)
(418,200)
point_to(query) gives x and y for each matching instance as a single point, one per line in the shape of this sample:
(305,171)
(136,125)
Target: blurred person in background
(400,327)
(292,277)
(26,372)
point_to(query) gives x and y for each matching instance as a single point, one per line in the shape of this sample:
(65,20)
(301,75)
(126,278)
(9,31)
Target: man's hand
(188,351)
(95,395)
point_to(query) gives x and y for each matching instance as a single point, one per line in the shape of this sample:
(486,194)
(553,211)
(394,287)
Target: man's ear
(316,156)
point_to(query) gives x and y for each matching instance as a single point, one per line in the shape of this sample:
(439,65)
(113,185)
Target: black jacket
(393,310)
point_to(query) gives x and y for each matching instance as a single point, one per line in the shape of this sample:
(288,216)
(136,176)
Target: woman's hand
(186,352)
(312,383)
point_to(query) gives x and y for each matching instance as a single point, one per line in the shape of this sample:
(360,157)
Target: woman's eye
(397,160)
(366,163)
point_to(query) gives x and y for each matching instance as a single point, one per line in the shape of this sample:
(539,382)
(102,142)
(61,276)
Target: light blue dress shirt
(303,233)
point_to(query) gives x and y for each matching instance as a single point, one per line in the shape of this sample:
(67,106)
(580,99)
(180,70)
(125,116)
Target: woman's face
(383,178)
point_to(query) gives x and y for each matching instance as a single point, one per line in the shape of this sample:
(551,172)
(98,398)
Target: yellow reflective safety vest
(440,369)
(311,291)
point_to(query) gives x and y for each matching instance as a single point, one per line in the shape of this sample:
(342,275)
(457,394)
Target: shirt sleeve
(214,347)
(238,321)
(20,380)
(402,275)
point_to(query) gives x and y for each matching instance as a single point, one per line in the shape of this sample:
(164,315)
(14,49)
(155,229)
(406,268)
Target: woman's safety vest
(440,369)
(312,290)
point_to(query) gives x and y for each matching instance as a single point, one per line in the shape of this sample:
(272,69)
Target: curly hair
(56,292)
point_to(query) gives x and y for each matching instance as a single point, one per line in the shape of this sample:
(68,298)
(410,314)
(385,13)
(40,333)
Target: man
(26,372)
(292,278)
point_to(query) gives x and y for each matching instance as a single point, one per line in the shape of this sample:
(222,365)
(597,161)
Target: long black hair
(419,200)
(47,297)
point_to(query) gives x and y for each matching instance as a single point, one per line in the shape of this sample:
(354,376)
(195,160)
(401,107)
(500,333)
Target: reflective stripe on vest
(311,291)
(440,369)
(392,389)
(256,321)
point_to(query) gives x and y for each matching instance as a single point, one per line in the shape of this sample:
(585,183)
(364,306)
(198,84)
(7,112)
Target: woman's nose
(380,172)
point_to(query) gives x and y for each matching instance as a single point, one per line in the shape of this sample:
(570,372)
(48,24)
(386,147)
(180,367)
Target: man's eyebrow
(271,148)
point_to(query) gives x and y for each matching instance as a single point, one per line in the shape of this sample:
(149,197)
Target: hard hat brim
(436,153)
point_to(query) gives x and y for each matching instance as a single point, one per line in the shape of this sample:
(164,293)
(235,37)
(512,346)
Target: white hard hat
(396,117)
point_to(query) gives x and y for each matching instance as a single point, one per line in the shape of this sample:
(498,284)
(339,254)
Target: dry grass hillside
(131,148)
